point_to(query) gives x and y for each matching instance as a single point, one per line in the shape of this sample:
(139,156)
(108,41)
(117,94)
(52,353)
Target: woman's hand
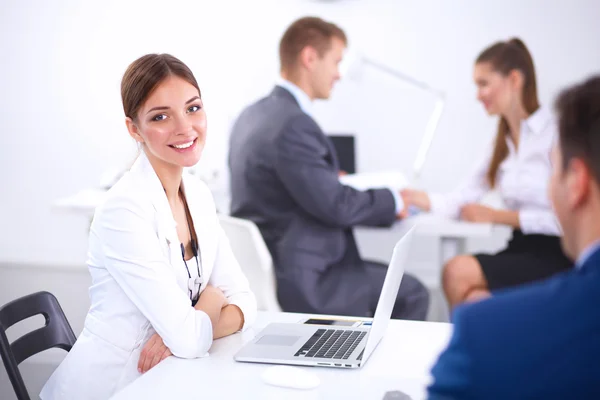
(211,301)
(154,351)
(213,295)
(230,321)
(478,213)
(417,198)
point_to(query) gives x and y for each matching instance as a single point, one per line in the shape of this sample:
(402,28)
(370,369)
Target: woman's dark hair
(578,109)
(505,57)
(145,74)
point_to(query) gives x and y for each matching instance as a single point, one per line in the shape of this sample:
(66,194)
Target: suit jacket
(140,285)
(536,342)
(284,177)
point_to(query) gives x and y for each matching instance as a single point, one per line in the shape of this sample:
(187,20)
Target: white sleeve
(470,191)
(539,221)
(228,276)
(134,258)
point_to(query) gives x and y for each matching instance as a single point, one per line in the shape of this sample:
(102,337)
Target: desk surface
(377,244)
(86,201)
(435,225)
(402,361)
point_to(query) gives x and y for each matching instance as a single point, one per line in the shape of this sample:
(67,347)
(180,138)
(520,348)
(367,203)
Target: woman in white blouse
(518,166)
(164,278)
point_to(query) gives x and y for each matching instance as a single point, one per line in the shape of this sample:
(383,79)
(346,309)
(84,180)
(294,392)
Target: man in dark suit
(542,341)
(284,177)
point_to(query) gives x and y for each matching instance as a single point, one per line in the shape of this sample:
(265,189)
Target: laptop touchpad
(278,340)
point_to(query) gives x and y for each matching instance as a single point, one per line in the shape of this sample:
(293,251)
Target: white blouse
(140,285)
(522,179)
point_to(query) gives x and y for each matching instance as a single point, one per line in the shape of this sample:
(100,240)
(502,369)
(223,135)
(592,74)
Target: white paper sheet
(375,180)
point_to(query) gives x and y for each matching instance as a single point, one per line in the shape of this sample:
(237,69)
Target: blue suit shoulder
(536,341)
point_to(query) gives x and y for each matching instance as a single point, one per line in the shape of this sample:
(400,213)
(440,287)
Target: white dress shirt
(522,179)
(140,285)
(300,95)
(306,105)
(587,253)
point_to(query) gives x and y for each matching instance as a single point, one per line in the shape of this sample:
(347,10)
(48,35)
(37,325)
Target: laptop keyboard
(331,343)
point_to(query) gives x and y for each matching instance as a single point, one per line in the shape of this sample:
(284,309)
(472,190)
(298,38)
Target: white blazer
(140,285)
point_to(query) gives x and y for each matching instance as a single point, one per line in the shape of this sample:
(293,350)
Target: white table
(452,235)
(402,361)
(83,202)
(377,244)
(374,243)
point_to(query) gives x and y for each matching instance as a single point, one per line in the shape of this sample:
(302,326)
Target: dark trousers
(412,301)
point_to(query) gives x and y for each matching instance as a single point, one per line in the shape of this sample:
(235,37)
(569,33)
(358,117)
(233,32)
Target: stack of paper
(375,180)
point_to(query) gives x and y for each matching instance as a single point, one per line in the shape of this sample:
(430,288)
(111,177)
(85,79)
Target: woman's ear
(133,130)
(517,79)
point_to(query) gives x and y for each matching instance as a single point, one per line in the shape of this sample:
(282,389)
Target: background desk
(378,243)
(402,361)
(373,243)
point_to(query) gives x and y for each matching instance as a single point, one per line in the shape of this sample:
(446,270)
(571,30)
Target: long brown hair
(505,57)
(145,74)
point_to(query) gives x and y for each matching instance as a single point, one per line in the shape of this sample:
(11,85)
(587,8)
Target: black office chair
(56,333)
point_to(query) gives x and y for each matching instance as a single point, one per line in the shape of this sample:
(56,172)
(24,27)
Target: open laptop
(324,345)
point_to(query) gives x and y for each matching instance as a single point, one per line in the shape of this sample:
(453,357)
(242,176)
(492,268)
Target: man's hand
(477,213)
(415,198)
(154,351)
(403,213)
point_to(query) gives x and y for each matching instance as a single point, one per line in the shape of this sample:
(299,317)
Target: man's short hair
(578,110)
(307,31)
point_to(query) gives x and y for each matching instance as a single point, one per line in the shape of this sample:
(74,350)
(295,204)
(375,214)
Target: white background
(62,122)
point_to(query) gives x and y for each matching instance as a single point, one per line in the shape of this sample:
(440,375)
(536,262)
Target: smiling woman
(164,111)
(518,166)
(165,281)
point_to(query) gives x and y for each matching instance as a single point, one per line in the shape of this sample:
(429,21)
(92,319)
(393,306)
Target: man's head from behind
(310,52)
(575,183)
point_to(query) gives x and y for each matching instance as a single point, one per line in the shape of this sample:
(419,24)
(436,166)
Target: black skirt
(527,258)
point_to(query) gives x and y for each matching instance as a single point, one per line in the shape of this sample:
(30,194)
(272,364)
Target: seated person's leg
(461,277)
(478,294)
(412,301)
(528,258)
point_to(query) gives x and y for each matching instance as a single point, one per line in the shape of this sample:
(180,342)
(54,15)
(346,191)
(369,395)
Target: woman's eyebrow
(160,108)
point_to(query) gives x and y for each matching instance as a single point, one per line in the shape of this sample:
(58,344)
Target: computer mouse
(290,377)
(396,395)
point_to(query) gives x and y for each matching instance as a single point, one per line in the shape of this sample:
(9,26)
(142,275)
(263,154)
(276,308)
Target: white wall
(62,124)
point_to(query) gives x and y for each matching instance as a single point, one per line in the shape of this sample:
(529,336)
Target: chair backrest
(55,333)
(253,255)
